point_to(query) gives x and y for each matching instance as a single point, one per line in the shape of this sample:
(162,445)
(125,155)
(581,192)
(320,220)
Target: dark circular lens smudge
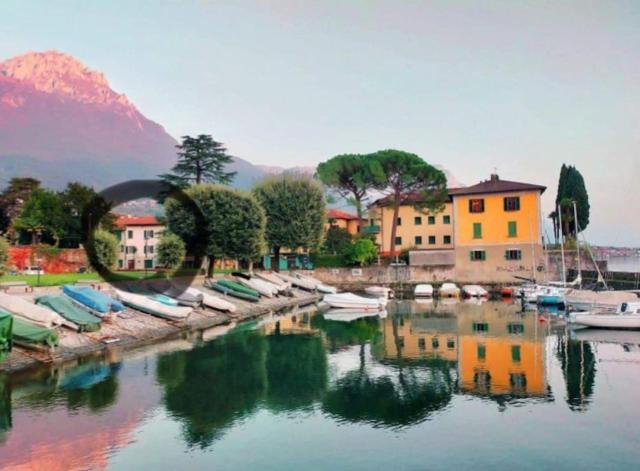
(132,190)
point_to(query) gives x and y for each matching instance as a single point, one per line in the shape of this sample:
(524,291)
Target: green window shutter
(477,230)
(483,255)
(513,229)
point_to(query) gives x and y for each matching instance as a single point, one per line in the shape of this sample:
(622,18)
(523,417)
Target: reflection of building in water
(498,351)
(294,323)
(501,352)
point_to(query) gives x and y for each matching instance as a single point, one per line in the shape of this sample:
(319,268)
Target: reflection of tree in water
(579,369)
(296,371)
(342,334)
(5,407)
(406,395)
(211,387)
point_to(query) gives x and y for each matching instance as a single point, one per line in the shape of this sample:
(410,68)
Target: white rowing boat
(423,290)
(33,313)
(263,287)
(449,290)
(350,315)
(150,306)
(274,280)
(299,282)
(475,291)
(379,291)
(212,301)
(353,301)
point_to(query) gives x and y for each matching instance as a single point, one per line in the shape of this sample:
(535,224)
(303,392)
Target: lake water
(458,387)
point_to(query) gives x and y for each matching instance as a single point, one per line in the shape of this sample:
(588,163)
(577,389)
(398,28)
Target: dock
(132,329)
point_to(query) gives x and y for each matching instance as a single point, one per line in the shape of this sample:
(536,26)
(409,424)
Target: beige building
(138,237)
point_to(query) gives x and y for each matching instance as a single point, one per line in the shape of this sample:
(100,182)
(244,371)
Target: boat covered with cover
(31,334)
(95,300)
(6,329)
(238,287)
(216,286)
(40,315)
(85,321)
(155,308)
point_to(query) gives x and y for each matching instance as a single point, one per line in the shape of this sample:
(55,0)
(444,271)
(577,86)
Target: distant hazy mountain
(275,170)
(60,121)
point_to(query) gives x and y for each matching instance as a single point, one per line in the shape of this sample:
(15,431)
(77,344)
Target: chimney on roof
(494,177)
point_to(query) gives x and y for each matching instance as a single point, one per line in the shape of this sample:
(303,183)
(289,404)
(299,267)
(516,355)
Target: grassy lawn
(57,279)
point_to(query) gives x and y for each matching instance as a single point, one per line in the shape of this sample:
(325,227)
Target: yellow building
(419,230)
(497,231)
(343,220)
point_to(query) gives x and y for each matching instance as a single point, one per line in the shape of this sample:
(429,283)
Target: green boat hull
(33,334)
(230,292)
(238,287)
(85,321)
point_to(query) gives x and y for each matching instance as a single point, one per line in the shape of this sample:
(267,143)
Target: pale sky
(472,86)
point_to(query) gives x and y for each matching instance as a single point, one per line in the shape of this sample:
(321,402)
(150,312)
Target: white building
(138,237)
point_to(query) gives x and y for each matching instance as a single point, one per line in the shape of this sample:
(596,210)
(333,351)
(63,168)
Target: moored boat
(326,289)
(449,290)
(181,296)
(379,291)
(350,315)
(298,282)
(155,308)
(550,296)
(264,288)
(216,286)
(235,286)
(97,301)
(423,290)
(353,301)
(32,335)
(275,280)
(6,329)
(586,300)
(627,316)
(85,321)
(32,313)
(475,291)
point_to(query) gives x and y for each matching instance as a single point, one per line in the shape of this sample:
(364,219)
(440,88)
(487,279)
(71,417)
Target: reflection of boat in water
(349,315)
(607,336)
(87,376)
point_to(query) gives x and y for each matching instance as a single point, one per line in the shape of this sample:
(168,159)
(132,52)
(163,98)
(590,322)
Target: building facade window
(399,222)
(421,344)
(481,351)
(432,220)
(398,240)
(432,240)
(418,240)
(477,230)
(446,219)
(512,203)
(513,254)
(435,343)
(148,234)
(476,206)
(478,255)
(148,249)
(515,328)
(515,353)
(129,234)
(447,239)
(417,221)
(480,327)
(451,344)
(513,229)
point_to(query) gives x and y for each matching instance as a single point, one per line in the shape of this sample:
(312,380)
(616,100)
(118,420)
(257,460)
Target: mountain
(275,170)
(61,121)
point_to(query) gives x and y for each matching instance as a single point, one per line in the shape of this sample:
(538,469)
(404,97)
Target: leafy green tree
(103,249)
(12,200)
(235,223)
(200,160)
(43,214)
(295,209)
(336,240)
(4,255)
(361,252)
(409,179)
(571,187)
(352,176)
(171,250)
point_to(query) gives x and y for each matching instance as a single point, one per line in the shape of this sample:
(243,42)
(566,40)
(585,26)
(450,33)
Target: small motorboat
(508,291)
(214,302)
(164,299)
(586,300)
(449,290)
(97,301)
(147,305)
(475,291)
(423,291)
(353,301)
(550,296)
(379,291)
(181,296)
(627,316)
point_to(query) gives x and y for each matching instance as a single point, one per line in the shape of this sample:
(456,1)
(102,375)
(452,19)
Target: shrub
(336,240)
(4,255)
(361,252)
(171,250)
(105,249)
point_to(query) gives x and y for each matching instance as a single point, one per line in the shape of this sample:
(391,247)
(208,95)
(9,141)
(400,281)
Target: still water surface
(459,386)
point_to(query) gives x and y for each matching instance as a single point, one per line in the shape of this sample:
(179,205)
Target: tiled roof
(495,185)
(124,221)
(337,214)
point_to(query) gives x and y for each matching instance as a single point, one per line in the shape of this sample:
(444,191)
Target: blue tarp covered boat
(95,300)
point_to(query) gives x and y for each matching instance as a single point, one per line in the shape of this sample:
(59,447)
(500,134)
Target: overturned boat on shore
(97,301)
(214,302)
(85,321)
(20,308)
(145,304)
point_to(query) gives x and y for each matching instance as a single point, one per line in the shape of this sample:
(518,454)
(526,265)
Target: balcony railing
(372,229)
